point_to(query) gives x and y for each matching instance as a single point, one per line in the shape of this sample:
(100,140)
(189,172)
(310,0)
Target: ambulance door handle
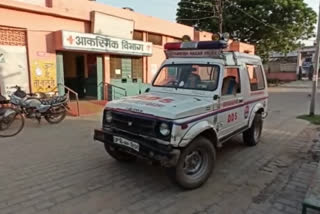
(240,99)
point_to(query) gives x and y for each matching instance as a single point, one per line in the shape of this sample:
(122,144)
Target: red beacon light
(172,46)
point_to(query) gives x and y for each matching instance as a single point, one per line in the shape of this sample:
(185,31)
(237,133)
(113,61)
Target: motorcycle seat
(54,100)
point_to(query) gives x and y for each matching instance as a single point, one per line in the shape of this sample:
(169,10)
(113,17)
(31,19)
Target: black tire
(251,137)
(191,177)
(55,118)
(7,126)
(119,155)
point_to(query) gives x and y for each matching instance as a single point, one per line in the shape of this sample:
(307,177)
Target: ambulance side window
(256,78)
(231,82)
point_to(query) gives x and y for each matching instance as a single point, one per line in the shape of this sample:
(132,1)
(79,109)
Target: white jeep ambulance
(201,96)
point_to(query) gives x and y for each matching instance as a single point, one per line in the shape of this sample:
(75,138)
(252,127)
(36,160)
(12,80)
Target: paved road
(59,169)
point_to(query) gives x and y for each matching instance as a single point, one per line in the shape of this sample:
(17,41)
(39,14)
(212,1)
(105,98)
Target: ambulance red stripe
(221,110)
(200,117)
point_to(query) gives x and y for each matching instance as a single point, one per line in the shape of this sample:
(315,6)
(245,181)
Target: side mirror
(215,97)
(147,90)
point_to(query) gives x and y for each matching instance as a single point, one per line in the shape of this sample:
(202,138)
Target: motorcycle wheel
(56,116)
(12,125)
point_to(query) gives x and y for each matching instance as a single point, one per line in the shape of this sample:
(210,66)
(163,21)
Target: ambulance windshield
(188,76)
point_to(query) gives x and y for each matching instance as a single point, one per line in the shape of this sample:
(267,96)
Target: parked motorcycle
(53,109)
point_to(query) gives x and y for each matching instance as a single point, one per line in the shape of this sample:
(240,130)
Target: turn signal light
(184,126)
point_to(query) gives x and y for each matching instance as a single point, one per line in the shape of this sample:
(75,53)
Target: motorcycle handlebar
(16,87)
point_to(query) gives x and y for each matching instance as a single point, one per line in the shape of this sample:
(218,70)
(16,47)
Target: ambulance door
(230,116)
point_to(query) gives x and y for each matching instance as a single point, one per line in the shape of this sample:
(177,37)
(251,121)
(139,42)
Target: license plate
(127,143)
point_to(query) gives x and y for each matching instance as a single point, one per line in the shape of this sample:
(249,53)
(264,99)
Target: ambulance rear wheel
(195,164)
(119,155)
(252,136)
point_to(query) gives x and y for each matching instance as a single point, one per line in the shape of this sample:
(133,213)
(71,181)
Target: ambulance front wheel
(195,164)
(252,136)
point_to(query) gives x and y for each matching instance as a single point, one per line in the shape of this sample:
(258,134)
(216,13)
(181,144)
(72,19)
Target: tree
(272,25)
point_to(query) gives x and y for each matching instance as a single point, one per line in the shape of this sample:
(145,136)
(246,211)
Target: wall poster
(43,76)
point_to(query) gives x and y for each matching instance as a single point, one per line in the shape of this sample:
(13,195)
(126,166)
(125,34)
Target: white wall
(13,68)
(35,2)
(112,26)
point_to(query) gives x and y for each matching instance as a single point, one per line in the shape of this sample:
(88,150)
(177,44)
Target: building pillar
(100,81)
(145,62)
(60,74)
(106,66)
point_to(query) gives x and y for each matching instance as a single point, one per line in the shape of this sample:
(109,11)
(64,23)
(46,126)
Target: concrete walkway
(59,169)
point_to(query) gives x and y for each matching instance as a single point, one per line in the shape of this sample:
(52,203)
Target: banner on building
(105,44)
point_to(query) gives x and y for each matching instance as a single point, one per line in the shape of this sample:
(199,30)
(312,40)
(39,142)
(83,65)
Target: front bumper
(149,149)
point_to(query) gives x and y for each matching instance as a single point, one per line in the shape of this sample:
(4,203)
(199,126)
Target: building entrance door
(78,82)
(83,73)
(91,77)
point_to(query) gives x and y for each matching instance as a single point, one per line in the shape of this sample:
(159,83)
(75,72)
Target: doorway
(91,78)
(83,73)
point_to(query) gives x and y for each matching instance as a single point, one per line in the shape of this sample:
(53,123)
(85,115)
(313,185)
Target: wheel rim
(56,117)
(195,163)
(12,125)
(257,131)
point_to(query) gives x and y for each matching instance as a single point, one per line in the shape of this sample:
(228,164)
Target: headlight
(164,129)
(108,116)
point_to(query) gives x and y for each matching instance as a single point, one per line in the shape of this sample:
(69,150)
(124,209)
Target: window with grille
(137,68)
(138,35)
(115,67)
(12,36)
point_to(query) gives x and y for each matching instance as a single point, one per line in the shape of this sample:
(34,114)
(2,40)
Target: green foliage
(272,25)
(312,119)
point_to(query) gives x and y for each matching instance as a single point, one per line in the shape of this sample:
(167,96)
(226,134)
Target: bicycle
(11,119)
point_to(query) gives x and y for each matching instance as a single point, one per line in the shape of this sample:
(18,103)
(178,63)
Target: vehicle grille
(134,124)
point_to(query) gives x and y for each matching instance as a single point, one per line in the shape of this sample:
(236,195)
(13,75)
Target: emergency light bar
(195,49)
(196,45)
(195,53)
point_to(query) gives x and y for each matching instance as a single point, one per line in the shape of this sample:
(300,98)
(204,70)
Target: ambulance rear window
(256,78)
